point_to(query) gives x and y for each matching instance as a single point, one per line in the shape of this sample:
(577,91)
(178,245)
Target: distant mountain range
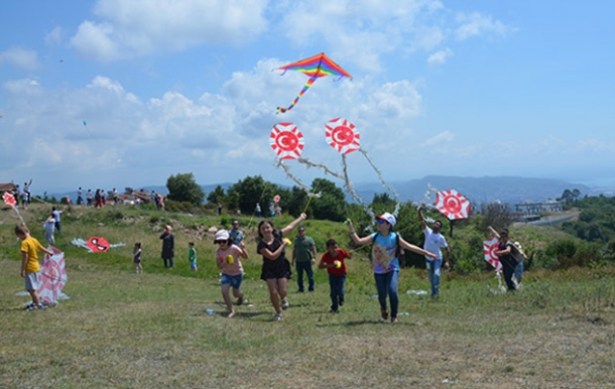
(478,190)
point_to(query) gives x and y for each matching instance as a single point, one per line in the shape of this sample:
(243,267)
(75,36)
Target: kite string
(351,191)
(320,166)
(384,183)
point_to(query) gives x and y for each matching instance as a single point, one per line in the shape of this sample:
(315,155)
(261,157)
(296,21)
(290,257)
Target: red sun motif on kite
(286,140)
(489,248)
(452,204)
(9,199)
(98,244)
(342,136)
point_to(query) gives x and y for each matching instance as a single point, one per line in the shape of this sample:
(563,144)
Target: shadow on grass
(356,323)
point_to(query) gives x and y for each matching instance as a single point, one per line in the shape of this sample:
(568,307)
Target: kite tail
(307,86)
(19,216)
(321,166)
(386,186)
(292,176)
(353,194)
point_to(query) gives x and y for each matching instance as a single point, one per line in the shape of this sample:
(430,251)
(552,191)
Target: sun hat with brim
(222,235)
(387,217)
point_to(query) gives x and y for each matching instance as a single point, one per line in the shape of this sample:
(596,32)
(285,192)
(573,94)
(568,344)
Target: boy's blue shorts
(235,281)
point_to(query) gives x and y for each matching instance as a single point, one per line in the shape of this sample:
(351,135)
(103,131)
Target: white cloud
(135,28)
(474,24)
(440,57)
(21,58)
(445,137)
(54,37)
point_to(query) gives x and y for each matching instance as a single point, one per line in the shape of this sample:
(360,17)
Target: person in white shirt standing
(434,243)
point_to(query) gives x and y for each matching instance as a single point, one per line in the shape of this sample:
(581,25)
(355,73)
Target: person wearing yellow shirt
(30,268)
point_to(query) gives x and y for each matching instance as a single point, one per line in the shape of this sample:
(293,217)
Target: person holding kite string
(434,242)
(276,268)
(386,245)
(30,268)
(505,254)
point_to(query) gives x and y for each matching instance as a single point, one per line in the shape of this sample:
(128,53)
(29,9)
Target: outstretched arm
(421,218)
(355,238)
(293,224)
(416,249)
(494,232)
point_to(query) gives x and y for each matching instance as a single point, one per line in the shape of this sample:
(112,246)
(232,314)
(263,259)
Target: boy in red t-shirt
(333,261)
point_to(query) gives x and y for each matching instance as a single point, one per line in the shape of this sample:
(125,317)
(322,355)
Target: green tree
(217,196)
(182,187)
(246,193)
(331,204)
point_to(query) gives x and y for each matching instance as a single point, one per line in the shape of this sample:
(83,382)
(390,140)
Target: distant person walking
(49,228)
(79,196)
(237,235)
(57,215)
(136,257)
(168,246)
(304,256)
(276,268)
(386,245)
(192,257)
(434,243)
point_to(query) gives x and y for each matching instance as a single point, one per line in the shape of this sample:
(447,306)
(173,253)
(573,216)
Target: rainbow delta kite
(317,66)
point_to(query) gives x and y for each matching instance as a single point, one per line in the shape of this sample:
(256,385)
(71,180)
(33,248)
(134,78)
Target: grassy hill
(123,330)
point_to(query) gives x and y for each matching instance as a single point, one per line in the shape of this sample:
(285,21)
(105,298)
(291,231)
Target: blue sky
(114,93)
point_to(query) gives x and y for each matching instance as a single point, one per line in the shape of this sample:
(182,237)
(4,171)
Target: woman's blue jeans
(387,284)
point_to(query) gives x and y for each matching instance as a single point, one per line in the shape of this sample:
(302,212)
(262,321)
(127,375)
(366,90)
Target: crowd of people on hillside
(387,250)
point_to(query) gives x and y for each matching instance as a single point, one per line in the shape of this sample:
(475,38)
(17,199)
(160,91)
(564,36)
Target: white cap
(222,235)
(387,217)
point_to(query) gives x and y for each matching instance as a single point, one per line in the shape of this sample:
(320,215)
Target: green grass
(123,330)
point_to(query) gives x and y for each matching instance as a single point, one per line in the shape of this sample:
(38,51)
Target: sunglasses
(380,221)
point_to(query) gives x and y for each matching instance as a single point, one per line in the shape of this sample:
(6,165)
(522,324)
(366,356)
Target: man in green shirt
(304,256)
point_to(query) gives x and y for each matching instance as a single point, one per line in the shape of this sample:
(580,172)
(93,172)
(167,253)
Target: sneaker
(29,307)
(285,304)
(341,301)
(384,314)
(240,300)
(333,311)
(393,319)
(277,317)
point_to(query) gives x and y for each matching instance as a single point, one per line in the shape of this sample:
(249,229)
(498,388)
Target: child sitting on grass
(30,268)
(333,261)
(227,259)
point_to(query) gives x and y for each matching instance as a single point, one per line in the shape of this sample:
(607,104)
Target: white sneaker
(277,317)
(285,304)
